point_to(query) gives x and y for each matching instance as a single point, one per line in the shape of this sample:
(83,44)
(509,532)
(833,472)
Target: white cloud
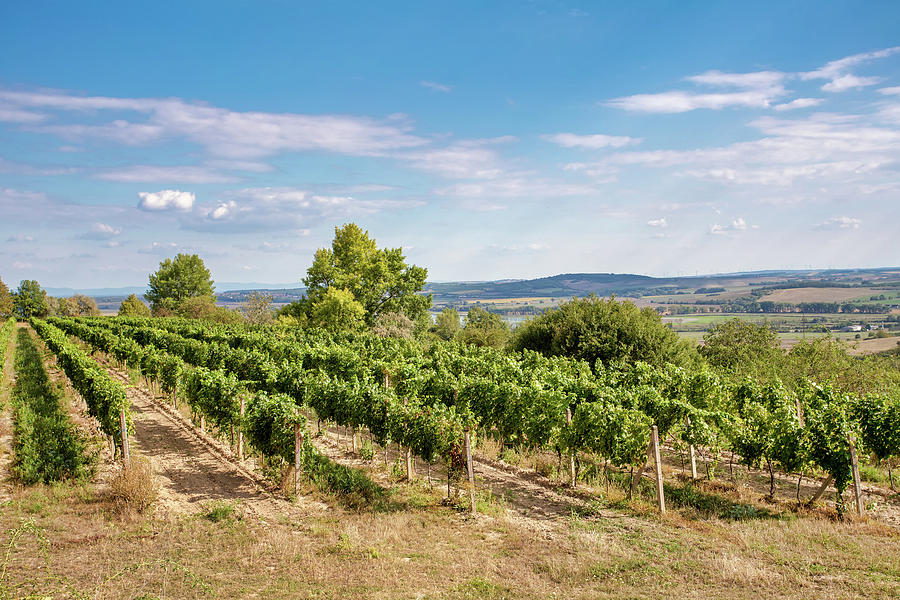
(849,82)
(282,208)
(160,174)
(661,222)
(22,265)
(516,186)
(592,142)
(20,237)
(437,87)
(836,223)
(224,133)
(678,102)
(838,71)
(738,224)
(13,114)
(166,200)
(466,159)
(757,80)
(754,90)
(840,66)
(890,91)
(100,231)
(160,248)
(798,103)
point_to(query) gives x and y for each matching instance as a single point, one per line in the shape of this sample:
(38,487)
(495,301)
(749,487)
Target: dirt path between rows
(192,469)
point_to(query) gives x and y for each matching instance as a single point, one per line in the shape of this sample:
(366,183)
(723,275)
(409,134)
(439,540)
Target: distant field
(827,294)
(875,345)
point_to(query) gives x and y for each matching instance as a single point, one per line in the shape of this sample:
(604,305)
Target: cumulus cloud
(100,231)
(738,224)
(836,223)
(160,248)
(437,87)
(166,200)
(591,142)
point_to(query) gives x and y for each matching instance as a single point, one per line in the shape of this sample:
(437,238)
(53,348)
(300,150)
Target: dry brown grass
(135,488)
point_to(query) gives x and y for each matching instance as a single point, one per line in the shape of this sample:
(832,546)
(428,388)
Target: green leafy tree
(379,280)
(743,349)
(337,310)
(484,328)
(393,325)
(258,309)
(133,307)
(447,324)
(176,280)
(85,306)
(603,329)
(31,300)
(6,301)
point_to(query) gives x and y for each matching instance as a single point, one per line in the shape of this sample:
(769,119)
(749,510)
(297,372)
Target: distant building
(851,328)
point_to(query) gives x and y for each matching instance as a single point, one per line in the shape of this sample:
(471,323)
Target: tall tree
(6,301)
(603,329)
(447,323)
(379,280)
(31,300)
(742,348)
(133,307)
(176,280)
(258,309)
(484,328)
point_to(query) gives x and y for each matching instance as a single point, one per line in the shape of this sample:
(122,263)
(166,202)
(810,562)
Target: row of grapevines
(105,397)
(5,334)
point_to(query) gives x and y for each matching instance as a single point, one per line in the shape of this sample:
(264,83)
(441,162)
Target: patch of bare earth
(193,469)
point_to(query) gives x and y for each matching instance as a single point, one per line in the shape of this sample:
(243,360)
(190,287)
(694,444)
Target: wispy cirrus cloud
(222,132)
(838,223)
(165,174)
(838,71)
(591,142)
(437,87)
(753,90)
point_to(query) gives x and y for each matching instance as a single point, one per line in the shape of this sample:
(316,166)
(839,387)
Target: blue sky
(490,140)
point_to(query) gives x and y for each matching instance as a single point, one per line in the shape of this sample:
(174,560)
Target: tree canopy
(379,280)
(743,349)
(6,300)
(447,324)
(603,329)
(483,328)
(31,300)
(177,280)
(133,307)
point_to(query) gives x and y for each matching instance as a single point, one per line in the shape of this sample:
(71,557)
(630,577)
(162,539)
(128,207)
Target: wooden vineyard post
(471,470)
(660,497)
(174,400)
(572,473)
(123,424)
(637,474)
(857,488)
(241,430)
(828,481)
(410,469)
(693,463)
(298,446)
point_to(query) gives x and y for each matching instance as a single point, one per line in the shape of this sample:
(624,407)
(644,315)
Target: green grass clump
(46,445)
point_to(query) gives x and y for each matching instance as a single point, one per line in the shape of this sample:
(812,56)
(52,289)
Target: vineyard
(266,383)
(273,439)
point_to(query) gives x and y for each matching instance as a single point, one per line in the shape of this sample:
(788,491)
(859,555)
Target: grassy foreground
(69,540)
